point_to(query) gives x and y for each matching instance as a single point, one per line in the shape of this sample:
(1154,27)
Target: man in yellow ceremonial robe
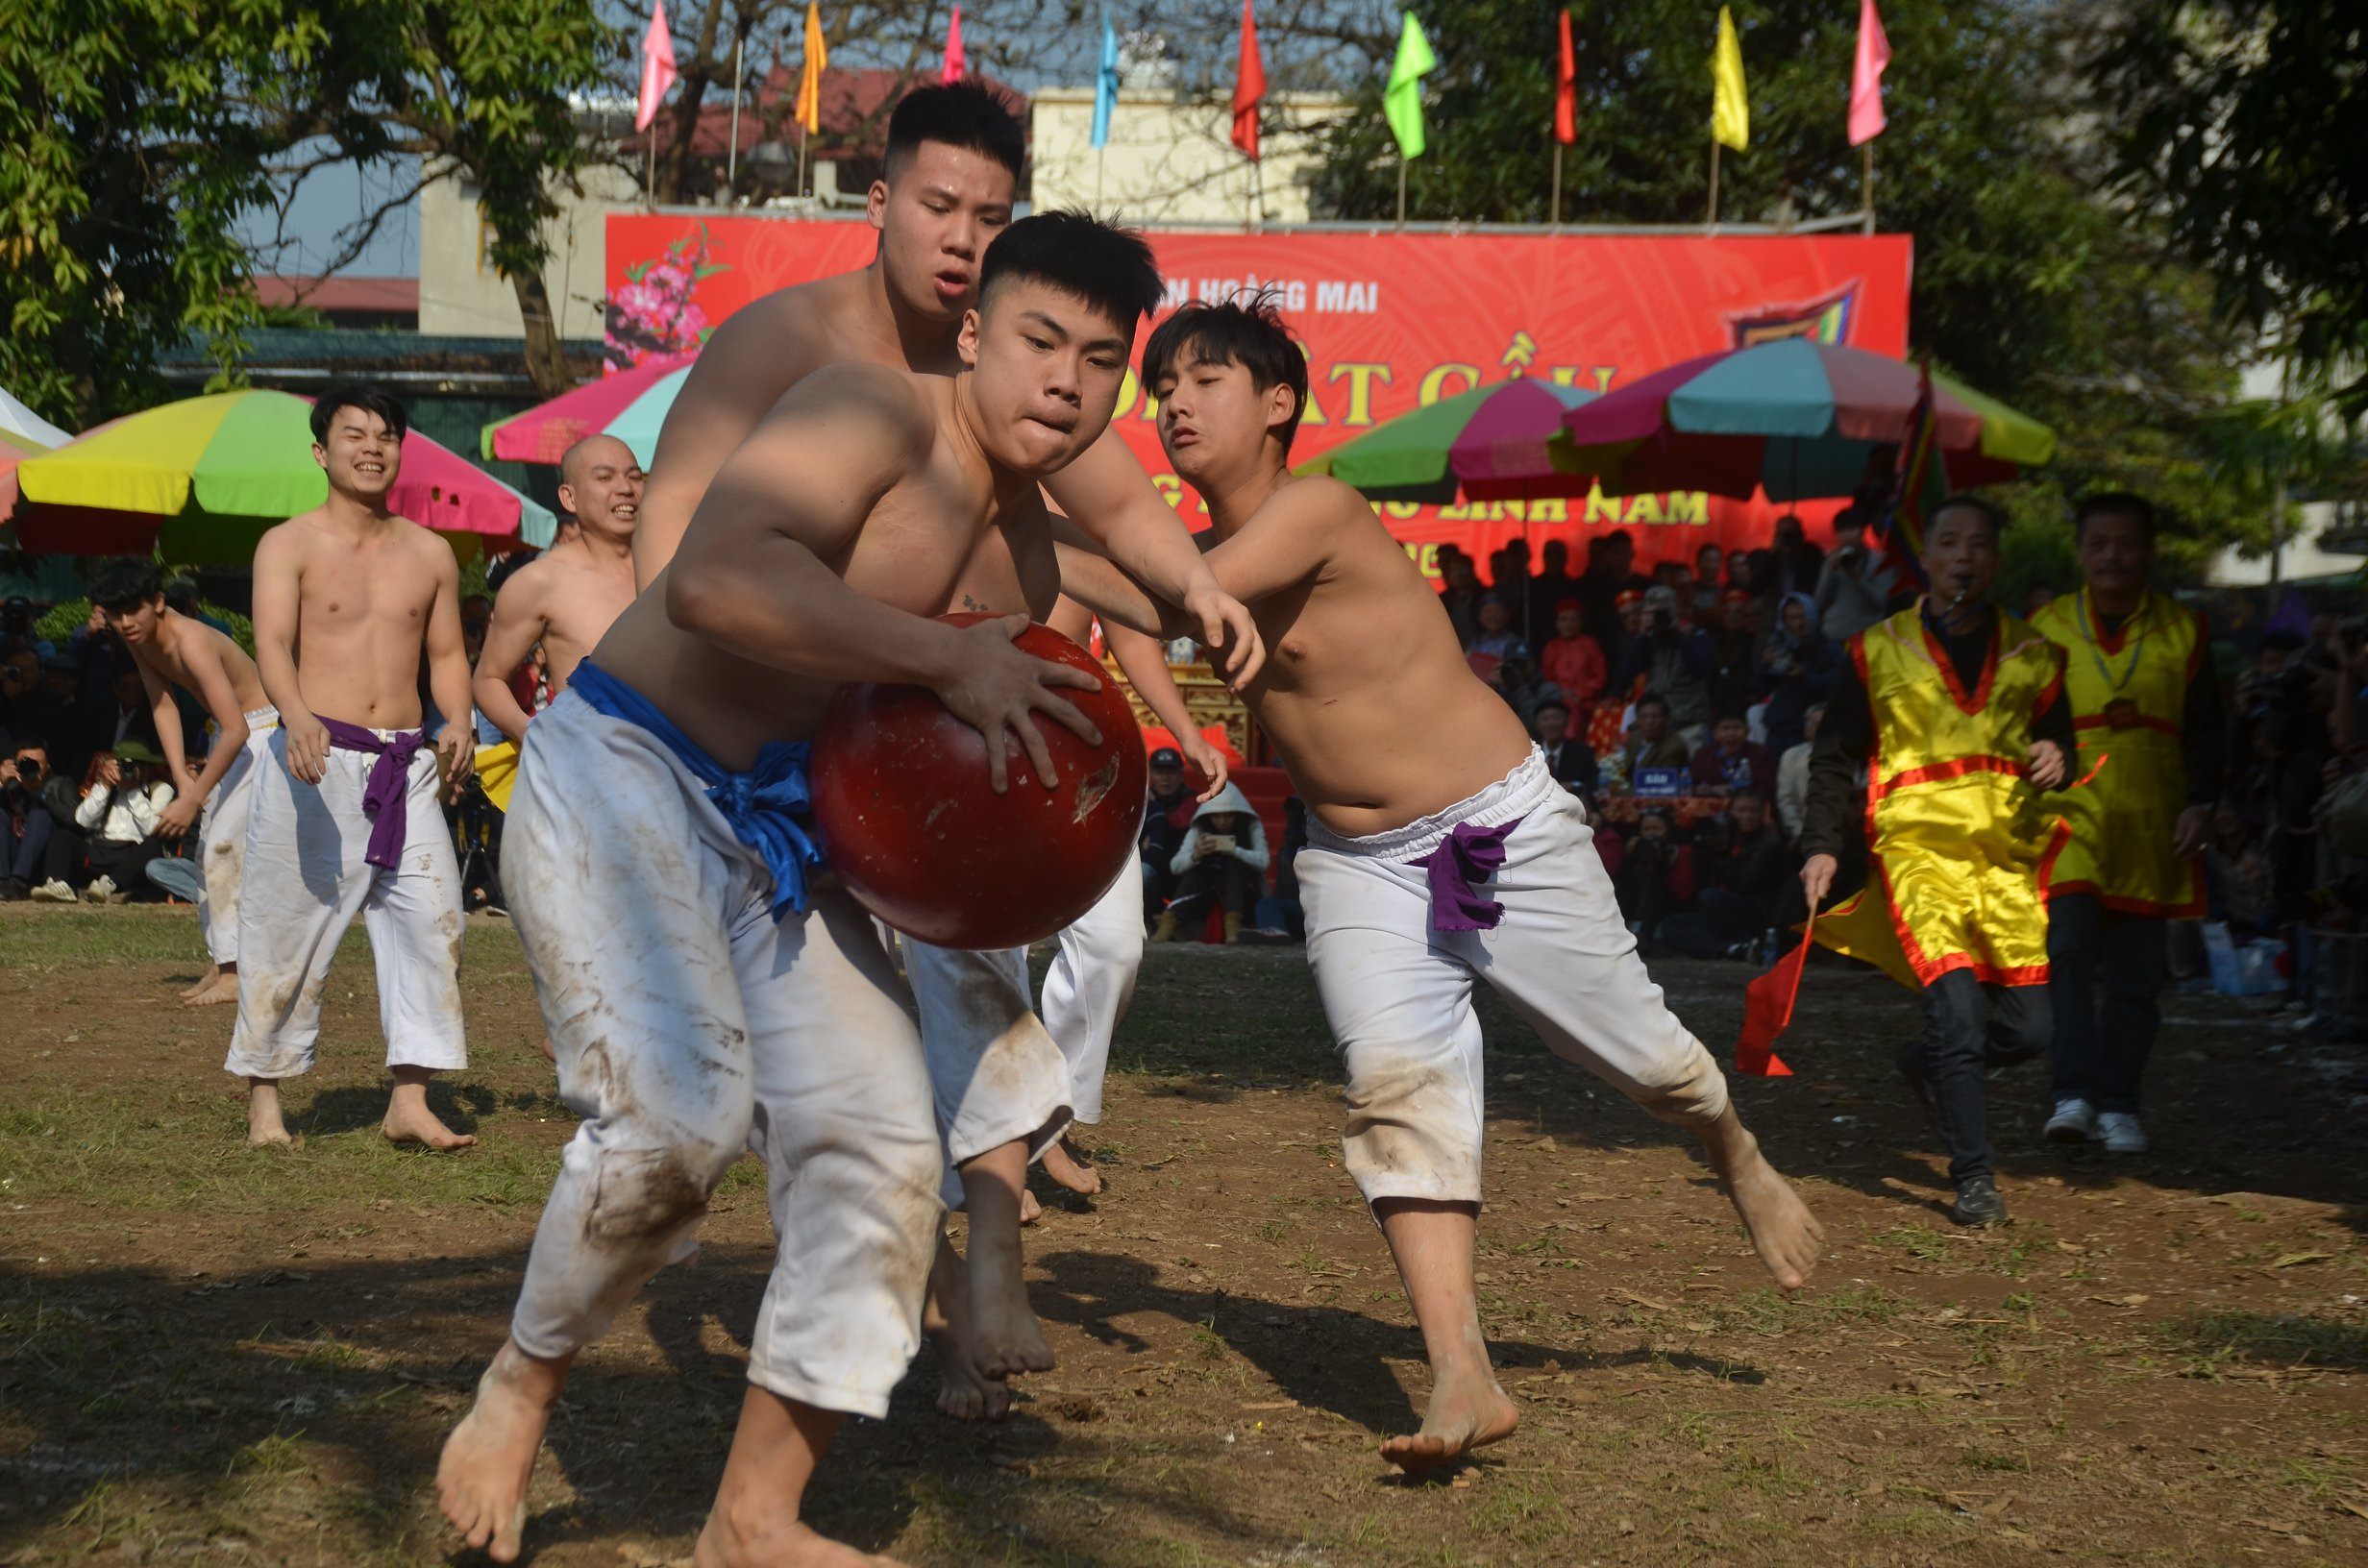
(1955,713)
(2146,708)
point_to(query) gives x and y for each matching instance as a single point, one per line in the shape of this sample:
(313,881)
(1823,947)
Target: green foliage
(2026,285)
(63,620)
(2240,119)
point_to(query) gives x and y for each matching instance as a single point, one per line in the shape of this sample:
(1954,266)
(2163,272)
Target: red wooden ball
(911,824)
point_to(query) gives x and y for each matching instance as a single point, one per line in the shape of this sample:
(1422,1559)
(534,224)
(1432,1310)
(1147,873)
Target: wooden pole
(1714,218)
(649,168)
(732,155)
(1102,156)
(1257,192)
(801,139)
(1866,181)
(1556,219)
(1401,190)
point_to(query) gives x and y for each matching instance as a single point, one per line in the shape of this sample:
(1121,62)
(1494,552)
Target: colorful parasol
(631,405)
(1458,444)
(204,477)
(1795,417)
(24,432)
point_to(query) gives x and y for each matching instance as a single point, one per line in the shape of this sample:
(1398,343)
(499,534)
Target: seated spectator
(1792,777)
(1551,584)
(1739,871)
(1516,680)
(1798,667)
(28,824)
(1676,660)
(1459,592)
(1496,636)
(2238,882)
(1709,565)
(1568,760)
(1651,743)
(1165,816)
(1741,572)
(1655,879)
(1571,659)
(1223,859)
(1733,763)
(1628,616)
(123,796)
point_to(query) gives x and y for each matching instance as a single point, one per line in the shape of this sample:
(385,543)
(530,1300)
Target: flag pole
(1401,190)
(731,157)
(1714,218)
(801,139)
(1556,219)
(1866,181)
(1102,156)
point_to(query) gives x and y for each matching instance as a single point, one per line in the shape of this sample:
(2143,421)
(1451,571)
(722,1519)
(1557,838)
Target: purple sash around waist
(390,781)
(1468,854)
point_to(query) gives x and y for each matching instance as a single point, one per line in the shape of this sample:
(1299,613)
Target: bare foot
(1062,1165)
(1783,1233)
(214,973)
(263,1122)
(408,1120)
(1468,1412)
(222,988)
(550,1054)
(962,1392)
(481,1482)
(1030,1210)
(786,1544)
(1006,1339)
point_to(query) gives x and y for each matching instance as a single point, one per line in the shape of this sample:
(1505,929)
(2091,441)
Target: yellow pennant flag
(1730,111)
(811,80)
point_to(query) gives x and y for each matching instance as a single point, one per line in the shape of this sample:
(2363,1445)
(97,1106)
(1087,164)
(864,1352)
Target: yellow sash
(2129,697)
(497,770)
(1961,846)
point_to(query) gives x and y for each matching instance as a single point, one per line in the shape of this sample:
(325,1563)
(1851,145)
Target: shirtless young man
(952,167)
(705,993)
(347,815)
(1402,824)
(567,598)
(171,650)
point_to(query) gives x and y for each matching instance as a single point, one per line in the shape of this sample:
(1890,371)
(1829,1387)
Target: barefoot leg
(755,1521)
(946,1318)
(1005,1339)
(220,986)
(481,1482)
(408,1120)
(214,973)
(1783,1231)
(1062,1165)
(1431,1244)
(263,1122)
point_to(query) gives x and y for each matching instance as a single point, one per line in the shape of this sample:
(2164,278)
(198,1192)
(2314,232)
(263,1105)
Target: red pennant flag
(1566,90)
(657,67)
(1767,1012)
(1250,86)
(955,62)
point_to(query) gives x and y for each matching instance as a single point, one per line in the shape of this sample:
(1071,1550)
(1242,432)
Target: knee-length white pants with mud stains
(995,1073)
(222,837)
(303,883)
(1398,994)
(689,1026)
(1090,984)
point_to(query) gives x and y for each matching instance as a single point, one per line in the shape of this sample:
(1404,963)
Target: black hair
(1969,502)
(1655,698)
(1108,267)
(126,585)
(2114,503)
(967,114)
(1554,702)
(179,591)
(1232,332)
(370,399)
(1735,714)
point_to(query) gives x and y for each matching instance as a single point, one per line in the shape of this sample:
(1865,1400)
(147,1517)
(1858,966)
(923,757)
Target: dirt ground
(211,1354)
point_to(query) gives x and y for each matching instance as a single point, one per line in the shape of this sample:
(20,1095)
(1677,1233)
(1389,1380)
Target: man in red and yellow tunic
(1956,714)
(2147,713)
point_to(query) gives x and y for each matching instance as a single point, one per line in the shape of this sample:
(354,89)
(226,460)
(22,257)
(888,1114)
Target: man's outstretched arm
(519,623)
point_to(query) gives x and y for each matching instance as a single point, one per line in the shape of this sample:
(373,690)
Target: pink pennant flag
(955,62)
(657,67)
(1866,121)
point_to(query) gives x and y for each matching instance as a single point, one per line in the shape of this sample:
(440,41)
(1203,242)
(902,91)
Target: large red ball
(911,824)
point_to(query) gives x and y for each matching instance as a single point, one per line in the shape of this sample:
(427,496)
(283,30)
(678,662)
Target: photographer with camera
(1677,660)
(122,810)
(36,853)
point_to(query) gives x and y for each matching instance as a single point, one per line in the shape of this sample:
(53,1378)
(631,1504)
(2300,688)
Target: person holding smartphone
(1223,857)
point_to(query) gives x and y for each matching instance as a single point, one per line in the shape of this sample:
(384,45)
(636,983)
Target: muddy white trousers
(690,1026)
(304,880)
(1398,992)
(995,1073)
(1090,984)
(222,837)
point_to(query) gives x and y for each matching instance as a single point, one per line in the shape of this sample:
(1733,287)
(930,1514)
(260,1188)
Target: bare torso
(1366,693)
(195,641)
(908,554)
(363,600)
(578,596)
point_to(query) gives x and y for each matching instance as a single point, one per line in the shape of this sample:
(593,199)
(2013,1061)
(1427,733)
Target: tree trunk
(544,350)
(698,72)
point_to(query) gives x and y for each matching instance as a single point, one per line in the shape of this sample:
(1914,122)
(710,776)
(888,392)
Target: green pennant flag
(1402,100)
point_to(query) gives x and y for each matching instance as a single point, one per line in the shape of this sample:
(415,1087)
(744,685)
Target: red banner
(1392,322)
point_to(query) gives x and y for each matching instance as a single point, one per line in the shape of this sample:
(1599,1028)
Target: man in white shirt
(1792,776)
(120,811)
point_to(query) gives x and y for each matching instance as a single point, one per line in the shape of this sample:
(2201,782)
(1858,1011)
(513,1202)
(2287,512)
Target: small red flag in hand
(1767,1012)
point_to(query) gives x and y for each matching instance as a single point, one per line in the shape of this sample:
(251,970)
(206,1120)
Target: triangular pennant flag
(1566,88)
(1402,100)
(1767,1012)
(1250,86)
(810,76)
(1730,108)
(1866,121)
(955,64)
(657,67)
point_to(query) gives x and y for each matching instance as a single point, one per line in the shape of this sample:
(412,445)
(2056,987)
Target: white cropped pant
(1398,994)
(689,1025)
(304,880)
(1090,984)
(222,837)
